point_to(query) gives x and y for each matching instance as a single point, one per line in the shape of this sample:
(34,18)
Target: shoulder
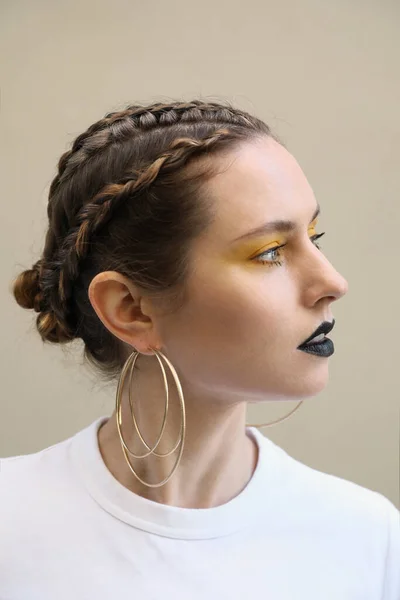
(326,489)
(11,467)
(16,470)
(364,522)
(332,501)
(35,481)
(39,492)
(38,500)
(46,476)
(392,567)
(25,475)
(360,521)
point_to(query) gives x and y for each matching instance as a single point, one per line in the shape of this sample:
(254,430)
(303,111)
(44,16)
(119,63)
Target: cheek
(234,329)
(240,308)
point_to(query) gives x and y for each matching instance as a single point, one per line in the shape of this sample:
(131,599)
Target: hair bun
(29,294)
(27,290)
(52,330)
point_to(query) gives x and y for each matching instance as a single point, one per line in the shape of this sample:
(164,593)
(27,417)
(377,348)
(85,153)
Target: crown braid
(122,200)
(95,215)
(135,118)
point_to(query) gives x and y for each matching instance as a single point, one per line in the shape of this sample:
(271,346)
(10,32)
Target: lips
(325,328)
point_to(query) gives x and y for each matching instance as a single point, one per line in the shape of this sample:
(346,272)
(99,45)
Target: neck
(218,458)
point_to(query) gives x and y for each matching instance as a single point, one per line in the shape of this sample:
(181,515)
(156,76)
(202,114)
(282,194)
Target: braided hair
(127,197)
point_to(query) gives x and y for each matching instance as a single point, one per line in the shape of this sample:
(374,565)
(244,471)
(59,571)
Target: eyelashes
(277,262)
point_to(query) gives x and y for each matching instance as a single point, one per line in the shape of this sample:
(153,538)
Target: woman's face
(237,335)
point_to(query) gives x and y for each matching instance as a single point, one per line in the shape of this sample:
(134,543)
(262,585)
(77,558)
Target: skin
(235,339)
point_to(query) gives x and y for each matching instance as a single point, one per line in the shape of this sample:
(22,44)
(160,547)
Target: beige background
(325,76)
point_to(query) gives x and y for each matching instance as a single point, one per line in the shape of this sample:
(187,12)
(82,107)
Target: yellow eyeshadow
(257,250)
(253,248)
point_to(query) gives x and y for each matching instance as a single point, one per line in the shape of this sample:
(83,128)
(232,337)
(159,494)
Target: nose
(321,279)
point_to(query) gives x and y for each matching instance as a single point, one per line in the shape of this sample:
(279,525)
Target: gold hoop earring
(277,420)
(130,362)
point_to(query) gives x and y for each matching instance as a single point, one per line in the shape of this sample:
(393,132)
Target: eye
(316,237)
(277,262)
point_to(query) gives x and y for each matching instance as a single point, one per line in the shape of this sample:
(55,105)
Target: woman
(182,249)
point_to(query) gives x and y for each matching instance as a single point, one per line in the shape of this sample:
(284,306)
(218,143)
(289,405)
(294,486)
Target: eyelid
(275,245)
(275,248)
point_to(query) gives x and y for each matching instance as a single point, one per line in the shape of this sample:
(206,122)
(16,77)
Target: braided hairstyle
(129,196)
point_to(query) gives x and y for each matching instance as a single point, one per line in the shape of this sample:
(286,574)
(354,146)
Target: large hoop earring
(259,426)
(130,362)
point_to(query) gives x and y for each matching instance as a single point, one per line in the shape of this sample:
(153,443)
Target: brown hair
(126,200)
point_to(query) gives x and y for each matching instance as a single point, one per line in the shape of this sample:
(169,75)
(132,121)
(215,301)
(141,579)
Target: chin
(306,383)
(314,382)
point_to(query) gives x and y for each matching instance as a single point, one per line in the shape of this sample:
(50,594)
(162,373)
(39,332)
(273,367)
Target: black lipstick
(324,348)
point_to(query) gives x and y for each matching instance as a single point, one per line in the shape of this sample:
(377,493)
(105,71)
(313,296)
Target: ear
(123,310)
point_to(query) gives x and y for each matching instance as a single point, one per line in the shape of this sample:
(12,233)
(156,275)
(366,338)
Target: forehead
(260,181)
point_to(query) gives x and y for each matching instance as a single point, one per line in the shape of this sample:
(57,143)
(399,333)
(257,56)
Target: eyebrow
(272,226)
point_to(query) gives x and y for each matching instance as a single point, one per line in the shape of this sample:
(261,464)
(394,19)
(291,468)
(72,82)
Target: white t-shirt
(70,531)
